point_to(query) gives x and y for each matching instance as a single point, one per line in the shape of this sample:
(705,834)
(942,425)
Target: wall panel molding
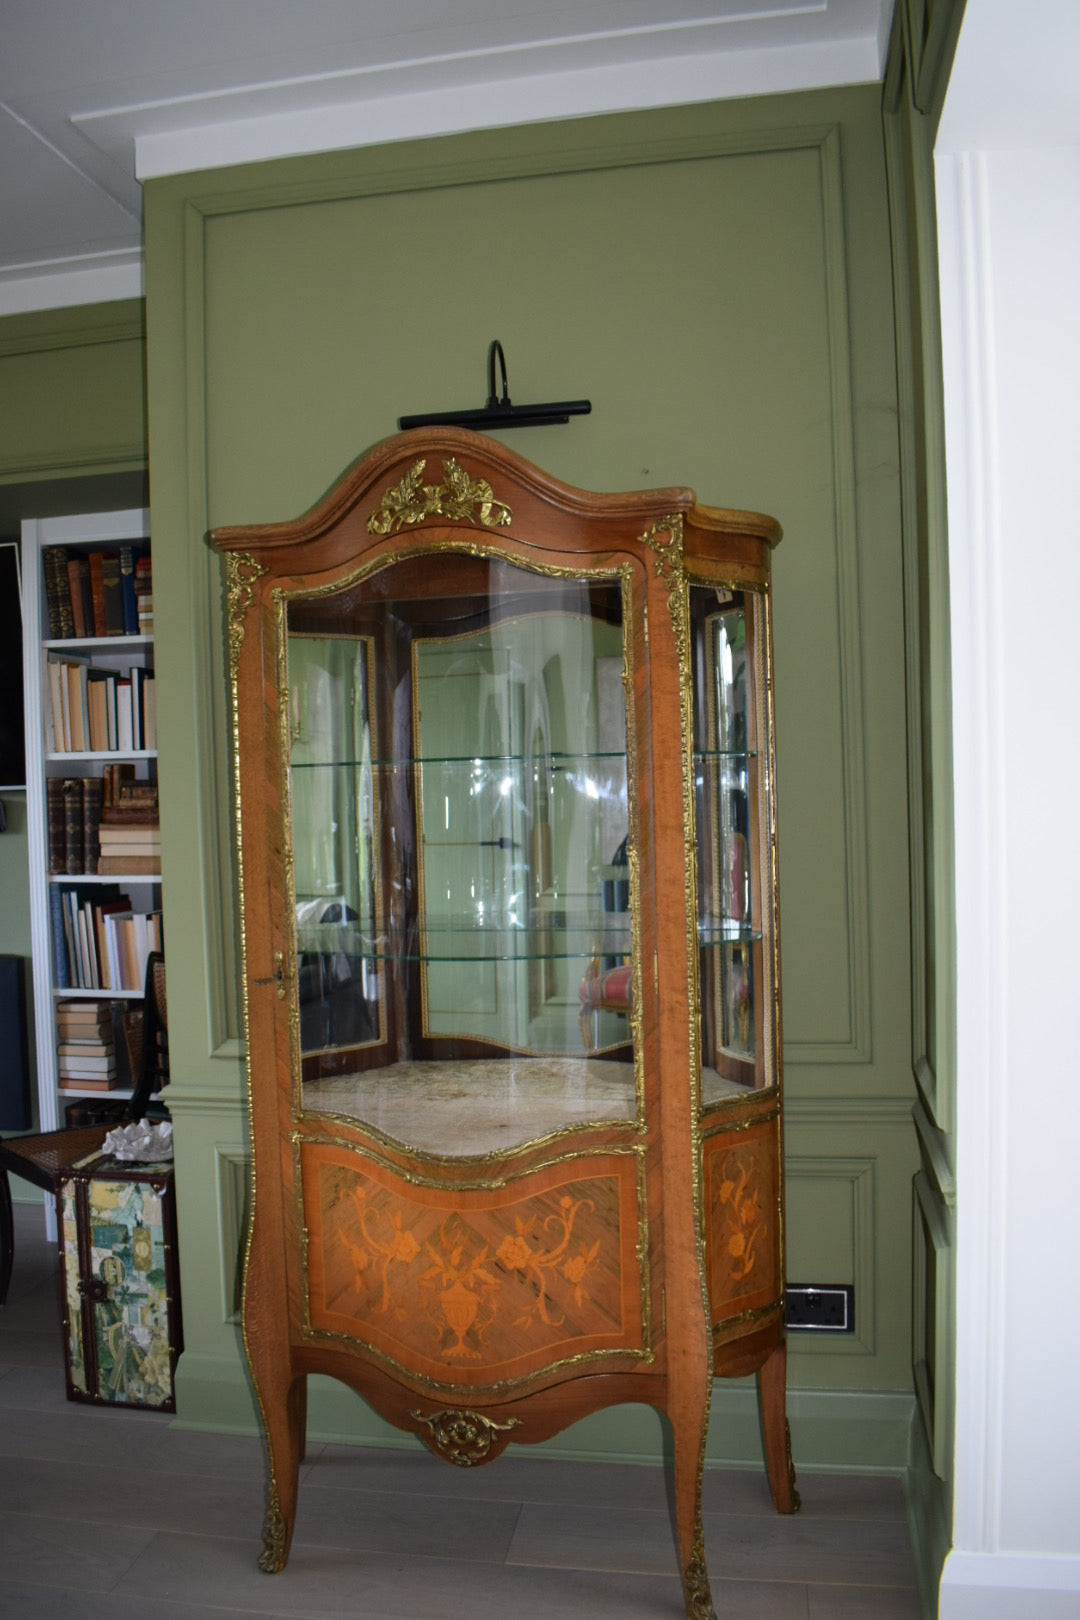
(233,1184)
(932,1291)
(554,151)
(853,1045)
(71,393)
(854,1181)
(81,328)
(848,1109)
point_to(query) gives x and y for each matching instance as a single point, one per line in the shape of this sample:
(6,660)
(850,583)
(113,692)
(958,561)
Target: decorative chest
(120,1283)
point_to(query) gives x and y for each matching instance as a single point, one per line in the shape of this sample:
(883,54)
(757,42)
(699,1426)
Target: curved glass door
(462,853)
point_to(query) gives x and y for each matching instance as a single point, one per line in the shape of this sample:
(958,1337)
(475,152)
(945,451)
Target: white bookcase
(46,758)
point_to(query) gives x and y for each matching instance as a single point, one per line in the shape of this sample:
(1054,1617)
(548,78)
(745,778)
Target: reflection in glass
(458,781)
(333,816)
(728,636)
(520,805)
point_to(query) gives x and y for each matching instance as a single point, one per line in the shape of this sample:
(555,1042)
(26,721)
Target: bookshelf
(91,797)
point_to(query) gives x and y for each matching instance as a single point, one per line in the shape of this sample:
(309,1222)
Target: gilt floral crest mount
(458,499)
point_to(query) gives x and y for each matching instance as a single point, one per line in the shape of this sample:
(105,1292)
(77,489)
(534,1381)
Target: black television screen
(12,752)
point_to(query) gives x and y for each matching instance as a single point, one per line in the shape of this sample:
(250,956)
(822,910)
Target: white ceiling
(98,95)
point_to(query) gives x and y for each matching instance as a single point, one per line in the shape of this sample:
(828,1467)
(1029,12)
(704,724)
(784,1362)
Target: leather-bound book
(54,810)
(97,591)
(75,592)
(113,593)
(91,798)
(57,593)
(73,825)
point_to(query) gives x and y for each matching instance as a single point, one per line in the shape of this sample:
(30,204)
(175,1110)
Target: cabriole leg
(772,1401)
(285,1423)
(689,1428)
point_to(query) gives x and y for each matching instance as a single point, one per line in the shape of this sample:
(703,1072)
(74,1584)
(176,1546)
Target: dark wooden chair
(154,1067)
(41,1159)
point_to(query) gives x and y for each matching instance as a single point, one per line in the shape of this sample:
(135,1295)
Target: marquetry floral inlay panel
(741,1233)
(479,1287)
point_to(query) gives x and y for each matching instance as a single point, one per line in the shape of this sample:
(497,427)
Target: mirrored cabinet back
(507,837)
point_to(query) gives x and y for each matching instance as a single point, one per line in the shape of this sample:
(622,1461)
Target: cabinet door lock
(278,975)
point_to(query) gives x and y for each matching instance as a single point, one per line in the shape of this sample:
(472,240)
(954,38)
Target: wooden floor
(113,1515)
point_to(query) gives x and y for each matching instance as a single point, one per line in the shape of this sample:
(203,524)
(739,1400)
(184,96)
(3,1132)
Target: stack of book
(76,806)
(73,810)
(101,710)
(130,833)
(86,1051)
(95,593)
(144,595)
(100,942)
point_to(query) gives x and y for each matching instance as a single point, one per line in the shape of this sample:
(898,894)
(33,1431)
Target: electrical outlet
(820,1308)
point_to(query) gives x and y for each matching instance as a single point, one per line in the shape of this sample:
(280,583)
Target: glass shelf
(553,762)
(470,939)
(727,931)
(467,939)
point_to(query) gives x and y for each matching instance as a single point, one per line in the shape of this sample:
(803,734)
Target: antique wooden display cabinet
(508,849)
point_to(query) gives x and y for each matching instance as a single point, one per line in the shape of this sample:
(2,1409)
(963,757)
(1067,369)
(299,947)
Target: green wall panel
(559,269)
(72,394)
(920,55)
(716,280)
(325,323)
(14,880)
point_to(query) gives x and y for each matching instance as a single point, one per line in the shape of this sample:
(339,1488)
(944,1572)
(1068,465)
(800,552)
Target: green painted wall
(72,438)
(717,280)
(920,57)
(72,399)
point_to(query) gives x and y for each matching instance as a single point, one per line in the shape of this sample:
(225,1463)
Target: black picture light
(499,412)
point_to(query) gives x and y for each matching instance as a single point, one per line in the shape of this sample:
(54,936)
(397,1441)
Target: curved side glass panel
(462,866)
(736,881)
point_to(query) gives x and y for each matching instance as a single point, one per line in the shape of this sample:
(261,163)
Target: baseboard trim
(214,1393)
(831,1431)
(21,1193)
(1000,1586)
(929,1506)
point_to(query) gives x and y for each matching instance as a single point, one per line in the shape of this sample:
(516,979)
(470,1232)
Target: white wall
(1008,181)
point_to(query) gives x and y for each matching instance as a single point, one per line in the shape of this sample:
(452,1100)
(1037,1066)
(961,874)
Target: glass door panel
(473,830)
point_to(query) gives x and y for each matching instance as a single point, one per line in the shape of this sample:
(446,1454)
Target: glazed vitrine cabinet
(508,850)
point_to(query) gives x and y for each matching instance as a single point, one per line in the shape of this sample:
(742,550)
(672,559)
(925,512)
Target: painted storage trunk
(120,1282)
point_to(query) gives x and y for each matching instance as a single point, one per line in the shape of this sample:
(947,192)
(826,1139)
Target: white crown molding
(65,283)
(166,118)
(247,126)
